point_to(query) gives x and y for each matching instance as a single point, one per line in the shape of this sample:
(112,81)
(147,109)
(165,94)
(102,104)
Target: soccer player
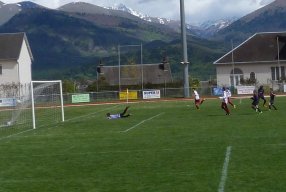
(198,101)
(261,95)
(228,92)
(255,102)
(119,115)
(271,102)
(224,101)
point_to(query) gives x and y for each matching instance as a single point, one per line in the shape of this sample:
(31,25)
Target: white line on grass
(7,137)
(224,169)
(83,116)
(141,123)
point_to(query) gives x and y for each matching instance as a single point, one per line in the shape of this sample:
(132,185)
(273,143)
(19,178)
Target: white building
(262,57)
(15,59)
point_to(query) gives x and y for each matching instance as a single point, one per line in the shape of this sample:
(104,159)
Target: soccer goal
(27,106)
(47,103)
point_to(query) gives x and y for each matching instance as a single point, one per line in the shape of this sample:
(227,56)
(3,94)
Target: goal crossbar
(33,98)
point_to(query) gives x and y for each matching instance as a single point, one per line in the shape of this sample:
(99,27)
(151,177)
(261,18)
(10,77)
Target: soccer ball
(9,123)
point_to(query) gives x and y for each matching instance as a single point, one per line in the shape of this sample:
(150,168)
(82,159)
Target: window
(252,76)
(277,73)
(236,75)
(283,73)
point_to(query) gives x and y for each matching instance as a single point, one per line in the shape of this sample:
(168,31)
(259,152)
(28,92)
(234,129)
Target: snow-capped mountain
(122,7)
(211,27)
(218,24)
(7,11)
(204,29)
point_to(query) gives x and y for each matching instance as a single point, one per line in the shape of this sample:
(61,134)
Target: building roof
(261,47)
(132,74)
(11,44)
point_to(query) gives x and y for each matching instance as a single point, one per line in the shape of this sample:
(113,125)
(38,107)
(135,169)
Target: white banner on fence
(245,90)
(7,102)
(155,94)
(284,88)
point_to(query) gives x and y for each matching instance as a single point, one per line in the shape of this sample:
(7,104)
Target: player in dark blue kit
(261,95)
(255,102)
(271,102)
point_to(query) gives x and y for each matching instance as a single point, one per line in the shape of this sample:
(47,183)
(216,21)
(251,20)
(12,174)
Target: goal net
(47,103)
(22,107)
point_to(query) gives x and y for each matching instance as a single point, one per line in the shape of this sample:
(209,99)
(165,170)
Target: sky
(196,11)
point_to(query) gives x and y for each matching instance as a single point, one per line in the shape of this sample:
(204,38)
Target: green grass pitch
(162,147)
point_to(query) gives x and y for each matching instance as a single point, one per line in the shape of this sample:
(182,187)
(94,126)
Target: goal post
(47,102)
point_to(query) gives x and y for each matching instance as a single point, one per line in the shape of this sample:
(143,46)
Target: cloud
(196,10)
(146,1)
(265,2)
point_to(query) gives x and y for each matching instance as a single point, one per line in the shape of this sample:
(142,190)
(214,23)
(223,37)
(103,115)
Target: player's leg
(257,109)
(254,107)
(274,106)
(231,103)
(124,116)
(125,110)
(197,104)
(225,108)
(264,101)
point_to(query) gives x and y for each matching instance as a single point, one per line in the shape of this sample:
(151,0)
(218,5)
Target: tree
(69,86)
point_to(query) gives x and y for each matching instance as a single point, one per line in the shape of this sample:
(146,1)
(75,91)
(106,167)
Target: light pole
(119,64)
(185,52)
(99,71)
(232,62)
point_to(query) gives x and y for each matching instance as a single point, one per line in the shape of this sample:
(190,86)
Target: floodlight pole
(142,73)
(119,83)
(185,50)
(232,62)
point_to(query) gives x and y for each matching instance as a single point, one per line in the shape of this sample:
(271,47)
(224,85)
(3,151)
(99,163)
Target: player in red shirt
(224,101)
(198,101)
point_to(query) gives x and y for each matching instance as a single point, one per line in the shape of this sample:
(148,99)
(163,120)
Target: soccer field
(162,147)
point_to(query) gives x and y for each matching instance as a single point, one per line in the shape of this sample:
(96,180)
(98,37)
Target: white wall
(262,72)
(25,65)
(9,72)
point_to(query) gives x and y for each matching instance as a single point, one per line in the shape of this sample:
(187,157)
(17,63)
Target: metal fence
(105,96)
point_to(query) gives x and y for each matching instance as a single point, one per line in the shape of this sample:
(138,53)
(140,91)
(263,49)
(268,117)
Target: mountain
(87,8)
(70,41)
(269,18)
(126,22)
(122,7)
(7,11)
(173,24)
(211,27)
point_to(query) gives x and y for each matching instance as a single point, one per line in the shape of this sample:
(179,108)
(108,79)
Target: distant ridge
(87,8)
(270,18)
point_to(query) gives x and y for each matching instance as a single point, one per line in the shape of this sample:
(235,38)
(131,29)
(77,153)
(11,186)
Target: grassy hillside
(68,45)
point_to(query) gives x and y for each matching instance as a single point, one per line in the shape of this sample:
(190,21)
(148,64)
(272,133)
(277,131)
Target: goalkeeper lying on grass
(119,115)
